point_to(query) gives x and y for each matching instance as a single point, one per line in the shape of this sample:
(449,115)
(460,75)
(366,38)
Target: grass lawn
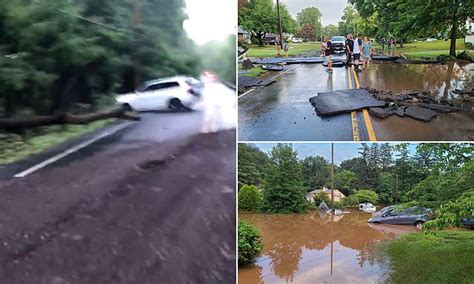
(15,147)
(254,72)
(270,50)
(427,49)
(444,257)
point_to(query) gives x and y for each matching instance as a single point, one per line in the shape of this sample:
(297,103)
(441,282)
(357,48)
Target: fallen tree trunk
(14,124)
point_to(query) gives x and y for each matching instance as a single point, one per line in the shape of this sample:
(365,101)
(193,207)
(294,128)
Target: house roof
(242,31)
(337,191)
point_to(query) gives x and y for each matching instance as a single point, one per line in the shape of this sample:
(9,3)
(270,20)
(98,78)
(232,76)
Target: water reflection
(441,79)
(304,248)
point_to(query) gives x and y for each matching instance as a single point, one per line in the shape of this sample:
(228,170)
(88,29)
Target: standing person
(367,51)
(349,49)
(286,48)
(327,48)
(278,47)
(357,51)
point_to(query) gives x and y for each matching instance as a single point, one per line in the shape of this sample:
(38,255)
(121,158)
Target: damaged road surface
(344,101)
(136,211)
(281,111)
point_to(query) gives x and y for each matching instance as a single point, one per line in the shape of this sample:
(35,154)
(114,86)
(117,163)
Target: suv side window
(161,86)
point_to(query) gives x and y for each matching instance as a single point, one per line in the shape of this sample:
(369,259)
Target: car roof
(169,79)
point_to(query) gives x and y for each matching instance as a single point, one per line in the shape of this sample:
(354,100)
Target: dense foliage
(250,244)
(428,175)
(55,55)
(405,19)
(250,198)
(259,17)
(320,197)
(284,192)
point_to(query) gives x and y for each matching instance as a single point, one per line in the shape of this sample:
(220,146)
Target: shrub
(338,205)
(320,197)
(250,244)
(451,213)
(365,195)
(463,56)
(250,198)
(351,201)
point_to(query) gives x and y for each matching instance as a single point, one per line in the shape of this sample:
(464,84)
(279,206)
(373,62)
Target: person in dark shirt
(328,49)
(349,49)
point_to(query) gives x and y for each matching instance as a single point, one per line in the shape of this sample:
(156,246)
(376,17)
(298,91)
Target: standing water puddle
(319,248)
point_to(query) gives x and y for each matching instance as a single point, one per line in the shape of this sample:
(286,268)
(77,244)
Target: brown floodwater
(441,79)
(319,248)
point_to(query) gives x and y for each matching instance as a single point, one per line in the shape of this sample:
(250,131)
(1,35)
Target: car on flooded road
(175,93)
(415,216)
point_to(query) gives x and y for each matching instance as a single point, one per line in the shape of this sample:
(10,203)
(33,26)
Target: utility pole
(396,188)
(279,24)
(136,26)
(332,175)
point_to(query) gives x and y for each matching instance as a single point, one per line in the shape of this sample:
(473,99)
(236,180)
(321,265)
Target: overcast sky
(342,151)
(210,19)
(331,9)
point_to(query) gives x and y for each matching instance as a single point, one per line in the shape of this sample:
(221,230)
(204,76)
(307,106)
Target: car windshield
(337,38)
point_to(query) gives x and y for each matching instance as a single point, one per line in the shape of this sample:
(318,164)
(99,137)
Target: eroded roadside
(163,211)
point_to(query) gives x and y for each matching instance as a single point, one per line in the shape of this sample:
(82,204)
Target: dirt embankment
(162,213)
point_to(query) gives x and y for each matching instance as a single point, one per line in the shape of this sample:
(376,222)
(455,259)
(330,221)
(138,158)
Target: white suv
(175,93)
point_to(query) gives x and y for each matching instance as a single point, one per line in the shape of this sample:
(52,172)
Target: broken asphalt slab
(381,113)
(272,67)
(337,102)
(420,113)
(246,82)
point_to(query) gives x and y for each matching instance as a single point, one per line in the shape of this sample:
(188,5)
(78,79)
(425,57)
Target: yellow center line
(367,120)
(355,124)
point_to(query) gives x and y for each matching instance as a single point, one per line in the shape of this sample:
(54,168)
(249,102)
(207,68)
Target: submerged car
(468,223)
(175,93)
(338,43)
(367,207)
(415,215)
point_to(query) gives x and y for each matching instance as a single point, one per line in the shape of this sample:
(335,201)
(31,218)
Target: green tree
(411,17)
(311,16)
(258,17)
(346,181)
(316,172)
(330,30)
(366,195)
(252,165)
(219,56)
(284,192)
(250,198)
(250,244)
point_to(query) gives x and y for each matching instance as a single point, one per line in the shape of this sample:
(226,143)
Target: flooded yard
(319,248)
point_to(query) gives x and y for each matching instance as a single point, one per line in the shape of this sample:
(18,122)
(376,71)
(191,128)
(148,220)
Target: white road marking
(70,151)
(273,78)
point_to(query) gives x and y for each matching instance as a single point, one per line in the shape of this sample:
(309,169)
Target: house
(338,196)
(243,36)
(270,39)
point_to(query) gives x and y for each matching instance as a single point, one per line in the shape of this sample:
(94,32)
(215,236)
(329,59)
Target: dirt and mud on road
(162,212)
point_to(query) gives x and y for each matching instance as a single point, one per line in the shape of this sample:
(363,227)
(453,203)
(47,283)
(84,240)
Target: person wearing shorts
(326,47)
(367,51)
(357,51)
(349,48)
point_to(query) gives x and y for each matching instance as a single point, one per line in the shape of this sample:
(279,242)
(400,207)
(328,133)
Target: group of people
(355,49)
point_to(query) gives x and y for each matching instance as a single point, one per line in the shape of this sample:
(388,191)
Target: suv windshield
(338,38)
